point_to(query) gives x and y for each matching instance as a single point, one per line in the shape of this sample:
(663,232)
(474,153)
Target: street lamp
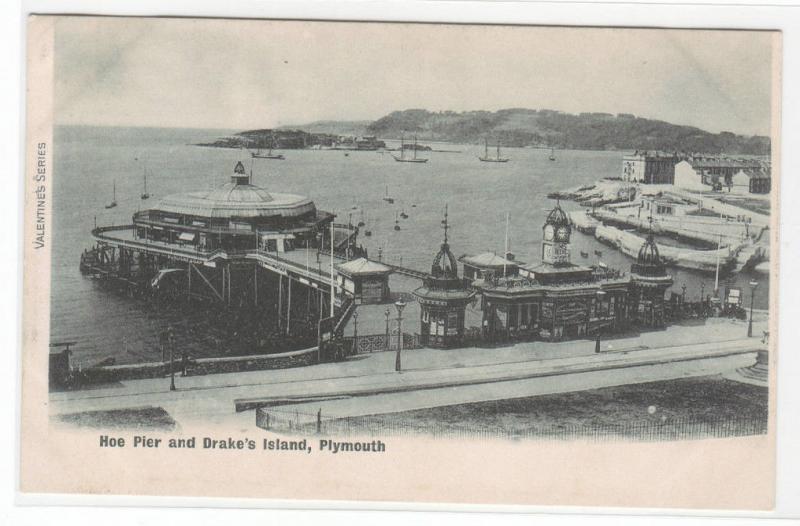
(386,341)
(399,305)
(171,367)
(355,330)
(600,294)
(753,285)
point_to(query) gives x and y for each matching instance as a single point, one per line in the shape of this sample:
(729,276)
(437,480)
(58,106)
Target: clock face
(548,232)
(563,233)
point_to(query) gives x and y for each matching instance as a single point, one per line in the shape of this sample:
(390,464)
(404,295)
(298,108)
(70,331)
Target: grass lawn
(683,408)
(142,418)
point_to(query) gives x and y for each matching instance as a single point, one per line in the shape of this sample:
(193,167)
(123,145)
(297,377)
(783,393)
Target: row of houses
(743,175)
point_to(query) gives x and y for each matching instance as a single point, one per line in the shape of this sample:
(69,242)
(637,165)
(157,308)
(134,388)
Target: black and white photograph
(339,239)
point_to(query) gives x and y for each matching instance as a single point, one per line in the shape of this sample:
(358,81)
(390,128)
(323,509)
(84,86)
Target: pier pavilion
(557,299)
(237,246)
(235,216)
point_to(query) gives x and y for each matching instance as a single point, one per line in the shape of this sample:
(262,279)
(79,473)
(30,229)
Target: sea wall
(629,244)
(198,367)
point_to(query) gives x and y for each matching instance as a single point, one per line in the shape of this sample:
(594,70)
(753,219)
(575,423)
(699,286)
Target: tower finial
(444,223)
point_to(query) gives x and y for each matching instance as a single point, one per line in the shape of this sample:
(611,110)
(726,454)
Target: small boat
(413,206)
(361,221)
(346,154)
(552,156)
(113,202)
(496,158)
(269,155)
(396,222)
(598,253)
(403,214)
(145,195)
(368,233)
(403,158)
(584,254)
(386,197)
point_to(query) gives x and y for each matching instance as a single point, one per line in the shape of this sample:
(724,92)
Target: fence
(300,423)
(377,342)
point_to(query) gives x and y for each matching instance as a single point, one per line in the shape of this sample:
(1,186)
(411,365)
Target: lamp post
(600,294)
(386,341)
(399,305)
(683,293)
(171,368)
(753,285)
(355,330)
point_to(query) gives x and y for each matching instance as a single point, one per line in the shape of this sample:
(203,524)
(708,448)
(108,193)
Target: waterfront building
(666,204)
(751,181)
(482,265)
(705,173)
(366,281)
(232,245)
(443,299)
(649,167)
(650,281)
(235,216)
(557,299)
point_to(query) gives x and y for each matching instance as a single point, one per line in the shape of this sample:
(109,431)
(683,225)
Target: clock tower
(555,237)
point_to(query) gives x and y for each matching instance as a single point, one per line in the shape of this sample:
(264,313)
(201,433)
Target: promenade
(368,384)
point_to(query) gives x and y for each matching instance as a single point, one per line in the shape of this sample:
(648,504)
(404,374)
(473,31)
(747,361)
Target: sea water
(478,195)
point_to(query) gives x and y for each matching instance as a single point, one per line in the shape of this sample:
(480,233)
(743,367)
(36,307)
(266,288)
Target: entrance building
(558,300)
(443,299)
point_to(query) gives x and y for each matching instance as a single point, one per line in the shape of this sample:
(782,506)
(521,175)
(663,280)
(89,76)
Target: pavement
(368,384)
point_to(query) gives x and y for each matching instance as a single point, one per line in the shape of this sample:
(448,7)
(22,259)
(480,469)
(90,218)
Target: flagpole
(505,254)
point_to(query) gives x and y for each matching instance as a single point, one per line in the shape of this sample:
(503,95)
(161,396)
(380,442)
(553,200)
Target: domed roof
(240,193)
(444,264)
(238,198)
(648,254)
(648,261)
(557,217)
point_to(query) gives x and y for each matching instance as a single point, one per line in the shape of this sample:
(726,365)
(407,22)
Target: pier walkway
(308,266)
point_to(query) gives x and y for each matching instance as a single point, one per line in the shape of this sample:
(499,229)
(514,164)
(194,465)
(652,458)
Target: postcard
(400,262)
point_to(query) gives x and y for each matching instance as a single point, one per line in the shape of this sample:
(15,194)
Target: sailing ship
(269,155)
(552,156)
(496,158)
(403,158)
(386,197)
(145,195)
(113,202)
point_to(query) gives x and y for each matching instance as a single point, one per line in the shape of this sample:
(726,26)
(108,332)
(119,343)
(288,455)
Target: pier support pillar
(289,307)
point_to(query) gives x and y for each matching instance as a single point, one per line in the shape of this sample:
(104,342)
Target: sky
(244,74)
